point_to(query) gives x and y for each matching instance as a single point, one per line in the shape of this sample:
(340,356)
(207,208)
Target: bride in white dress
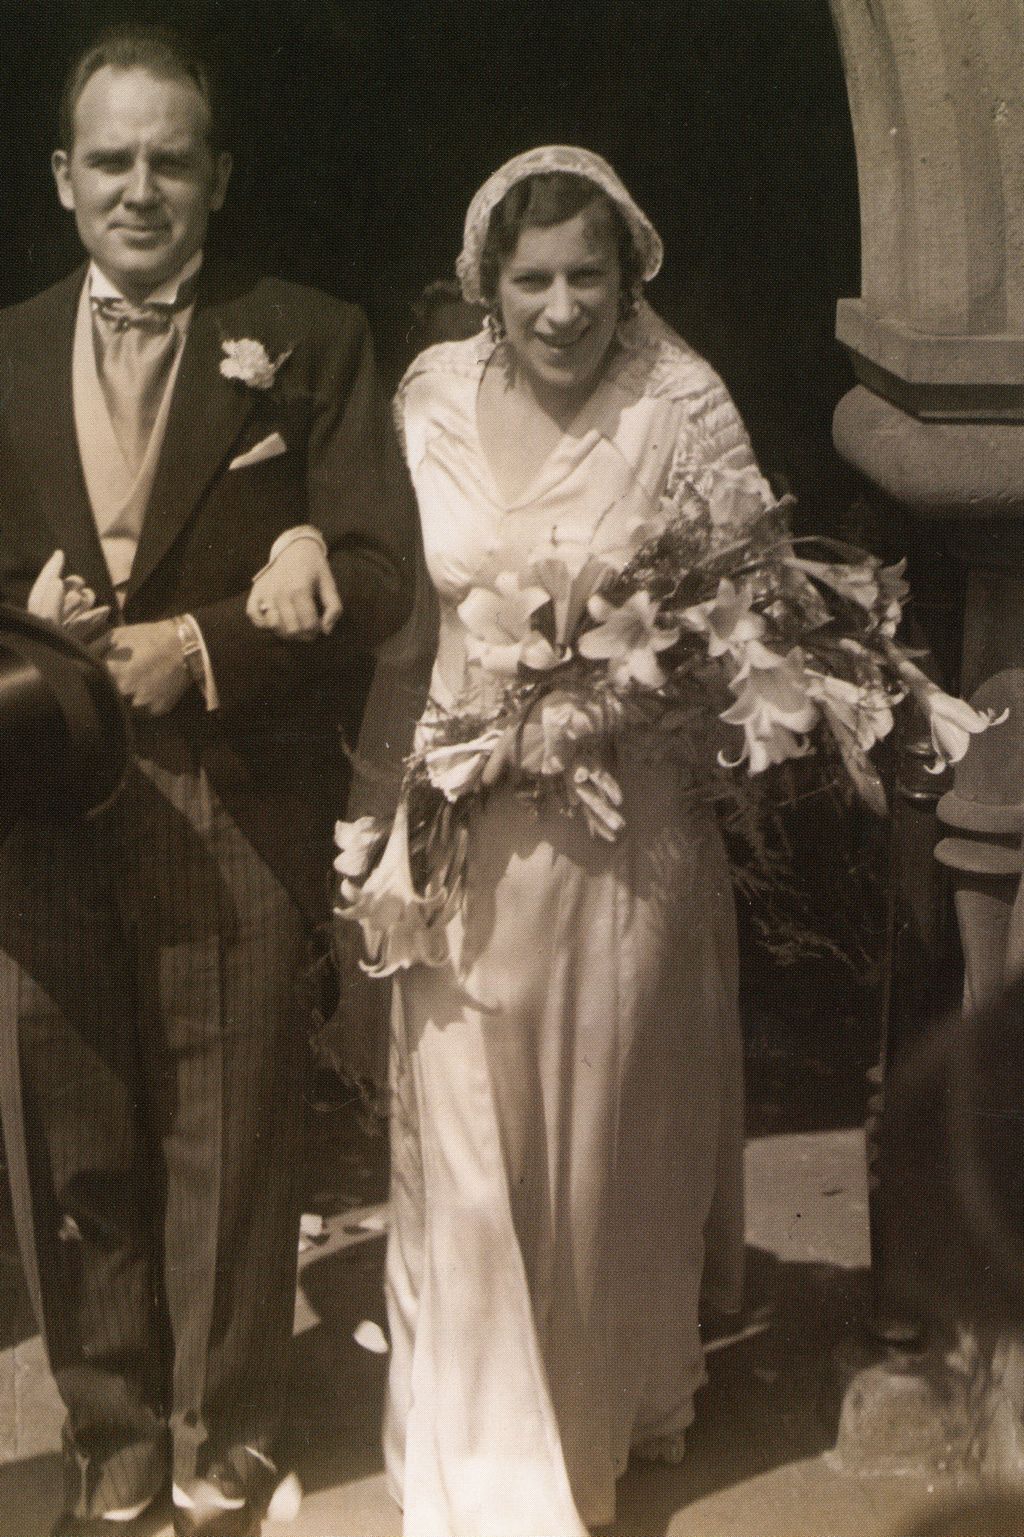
(567,1090)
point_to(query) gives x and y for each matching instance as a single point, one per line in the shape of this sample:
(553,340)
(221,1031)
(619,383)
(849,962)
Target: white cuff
(209,684)
(290,536)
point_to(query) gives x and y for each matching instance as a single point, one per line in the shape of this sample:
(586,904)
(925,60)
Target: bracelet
(289,537)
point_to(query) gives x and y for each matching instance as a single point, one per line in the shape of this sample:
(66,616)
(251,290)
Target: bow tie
(122,315)
(154,318)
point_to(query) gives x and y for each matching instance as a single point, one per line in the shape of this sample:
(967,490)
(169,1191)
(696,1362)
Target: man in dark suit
(162,421)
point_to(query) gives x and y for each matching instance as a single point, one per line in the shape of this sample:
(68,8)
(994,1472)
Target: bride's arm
(295,595)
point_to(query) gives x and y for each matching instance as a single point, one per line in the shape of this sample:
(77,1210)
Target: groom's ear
(60,166)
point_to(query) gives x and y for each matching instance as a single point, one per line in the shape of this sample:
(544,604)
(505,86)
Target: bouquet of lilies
(714,616)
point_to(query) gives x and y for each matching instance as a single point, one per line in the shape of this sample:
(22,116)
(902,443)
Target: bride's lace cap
(551,157)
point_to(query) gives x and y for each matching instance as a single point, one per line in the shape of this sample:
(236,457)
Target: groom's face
(140,175)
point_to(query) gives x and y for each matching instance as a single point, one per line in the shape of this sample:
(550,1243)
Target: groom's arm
(359,497)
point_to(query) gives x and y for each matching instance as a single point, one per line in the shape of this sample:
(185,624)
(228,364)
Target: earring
(495,327)
(629,304)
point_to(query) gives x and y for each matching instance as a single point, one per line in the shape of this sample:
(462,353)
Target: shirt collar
(100,286)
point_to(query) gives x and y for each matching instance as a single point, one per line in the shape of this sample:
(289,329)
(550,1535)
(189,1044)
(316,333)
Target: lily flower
(952,721)
(400,928)
(499,621)
(765,745)
(775,712)
(358,842)
(570,575)
(735,498)
(647,526)
(457,768)
(730,624)
(892,591)
(550,740)
(862,709)
(858,584)
(628,638)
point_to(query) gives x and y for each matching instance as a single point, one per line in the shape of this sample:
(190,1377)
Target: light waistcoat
(117,497)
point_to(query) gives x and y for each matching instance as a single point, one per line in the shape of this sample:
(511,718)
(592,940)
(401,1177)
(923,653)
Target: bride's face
(558,294)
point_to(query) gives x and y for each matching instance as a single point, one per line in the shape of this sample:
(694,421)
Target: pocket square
(266,448)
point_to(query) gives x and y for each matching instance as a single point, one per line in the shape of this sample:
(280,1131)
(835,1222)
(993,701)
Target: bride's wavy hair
(546,198)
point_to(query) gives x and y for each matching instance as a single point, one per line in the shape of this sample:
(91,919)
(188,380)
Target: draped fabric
(567,1093)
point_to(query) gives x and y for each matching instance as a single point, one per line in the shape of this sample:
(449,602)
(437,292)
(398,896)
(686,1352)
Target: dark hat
(64,732)
(986,803)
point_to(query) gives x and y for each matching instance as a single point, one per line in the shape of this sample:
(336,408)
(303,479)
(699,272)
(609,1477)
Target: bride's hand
(296,595)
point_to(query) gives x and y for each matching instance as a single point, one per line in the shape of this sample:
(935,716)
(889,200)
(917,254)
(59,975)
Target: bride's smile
(558,296)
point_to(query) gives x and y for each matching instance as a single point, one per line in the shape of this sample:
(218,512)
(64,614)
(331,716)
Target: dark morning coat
(88,938)
(274,751)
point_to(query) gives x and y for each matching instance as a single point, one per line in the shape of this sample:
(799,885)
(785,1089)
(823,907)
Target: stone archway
(936,420)
(936,337)
(936,92)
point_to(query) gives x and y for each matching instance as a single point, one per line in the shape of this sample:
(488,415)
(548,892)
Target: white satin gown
(567,1094)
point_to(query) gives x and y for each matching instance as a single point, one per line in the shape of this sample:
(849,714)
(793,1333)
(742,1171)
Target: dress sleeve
(713,454)
(711,428)
(414,399)
(725,441)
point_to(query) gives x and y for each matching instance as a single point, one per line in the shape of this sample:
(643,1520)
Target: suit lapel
(206,414)
(50,442)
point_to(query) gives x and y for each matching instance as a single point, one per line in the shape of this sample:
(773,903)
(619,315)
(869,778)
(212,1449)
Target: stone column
(936,339)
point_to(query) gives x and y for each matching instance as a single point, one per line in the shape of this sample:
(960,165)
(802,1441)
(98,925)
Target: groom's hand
(147,665)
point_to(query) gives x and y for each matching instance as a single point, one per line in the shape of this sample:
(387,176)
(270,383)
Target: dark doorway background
(365,126)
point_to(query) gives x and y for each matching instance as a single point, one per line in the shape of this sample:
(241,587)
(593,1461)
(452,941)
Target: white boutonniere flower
(250,363)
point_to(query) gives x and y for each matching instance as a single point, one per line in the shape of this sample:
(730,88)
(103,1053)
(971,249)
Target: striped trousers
(151,1052)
